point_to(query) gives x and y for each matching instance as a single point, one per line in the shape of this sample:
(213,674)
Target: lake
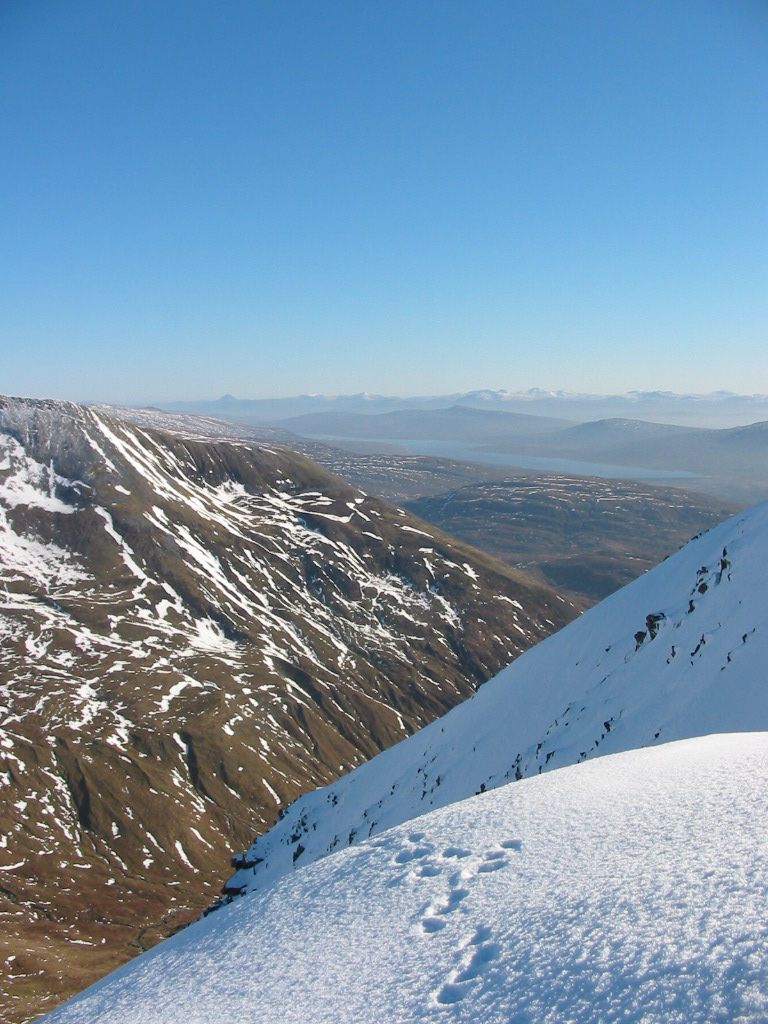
(470,453)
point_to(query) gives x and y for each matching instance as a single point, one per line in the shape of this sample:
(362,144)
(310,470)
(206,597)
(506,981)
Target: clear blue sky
(200,196)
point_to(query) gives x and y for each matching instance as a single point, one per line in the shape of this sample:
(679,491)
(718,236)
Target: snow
(28,482)
(182,855)
(25,557)
(593,688)
(630,888)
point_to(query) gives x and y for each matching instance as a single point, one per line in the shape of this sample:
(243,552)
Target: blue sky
(201,196)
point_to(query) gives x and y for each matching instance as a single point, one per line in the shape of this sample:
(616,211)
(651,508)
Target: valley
(195,630)
(727,463)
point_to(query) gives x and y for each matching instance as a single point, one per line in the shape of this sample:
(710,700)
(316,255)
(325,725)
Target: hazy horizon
(524,393)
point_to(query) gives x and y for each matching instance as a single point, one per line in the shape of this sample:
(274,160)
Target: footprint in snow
(433,917)
(411,853)
(455,853)
(511,844)
(477,953)
(429,870)
(493,860)
(478,961)
(414,848)
(482,934)
(450,994)
(430,925)
(438,910)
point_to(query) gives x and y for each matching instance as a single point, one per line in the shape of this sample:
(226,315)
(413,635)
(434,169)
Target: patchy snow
(27,482)
(631,888)
(25,558)
(263,585)
(183,855)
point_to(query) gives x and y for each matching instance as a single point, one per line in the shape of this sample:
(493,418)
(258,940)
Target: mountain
(194,632)
(675,654)
(587,535)
(596,435)
(713,409)
(716,409)
(631,888)
(731,463)
(456,423)
(263,410)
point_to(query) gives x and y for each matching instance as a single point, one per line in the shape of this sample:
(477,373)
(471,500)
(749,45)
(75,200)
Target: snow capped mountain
(678,653)
(631,888)
(193,632)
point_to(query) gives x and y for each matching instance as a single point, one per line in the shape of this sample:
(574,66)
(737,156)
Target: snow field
(631,888)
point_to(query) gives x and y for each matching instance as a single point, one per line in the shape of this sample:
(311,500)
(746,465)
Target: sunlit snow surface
(630,888)
(680,652)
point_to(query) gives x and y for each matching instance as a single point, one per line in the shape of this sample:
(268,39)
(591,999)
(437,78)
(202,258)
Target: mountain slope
(194,632)
(591,536)
(678,653)
(631,889)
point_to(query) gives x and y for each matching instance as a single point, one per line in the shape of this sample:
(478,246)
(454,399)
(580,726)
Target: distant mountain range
(716,409)
(454,423)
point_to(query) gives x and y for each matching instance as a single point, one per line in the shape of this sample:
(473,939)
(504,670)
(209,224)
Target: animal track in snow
(429,870)
(414,848)
(476,954)
(511,844)
(441,908)
(493,860)
(478,950)
(415,853)
(457,852)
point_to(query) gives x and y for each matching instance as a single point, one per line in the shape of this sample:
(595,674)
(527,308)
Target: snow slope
(632,888)
(678,653)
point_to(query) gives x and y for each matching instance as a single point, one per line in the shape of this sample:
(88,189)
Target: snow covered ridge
(193,631)
(680,652)
(632,888)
